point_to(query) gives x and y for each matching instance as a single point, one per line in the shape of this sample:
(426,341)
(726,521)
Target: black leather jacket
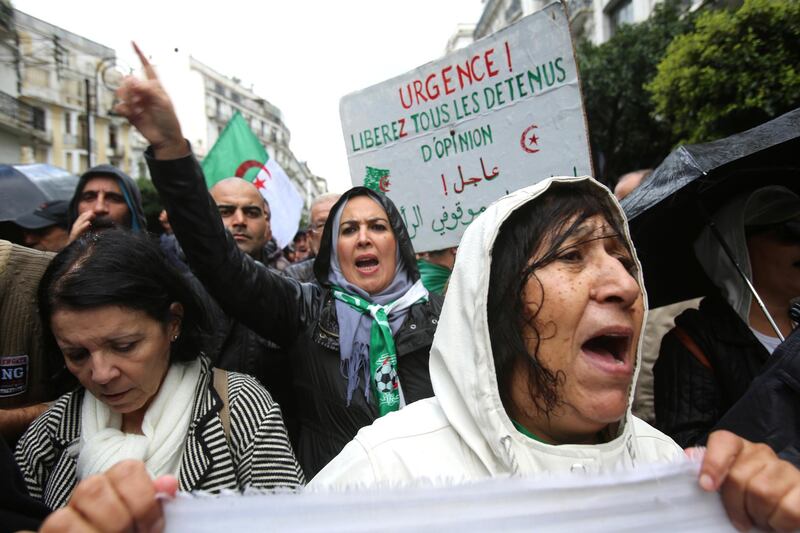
(769,411)
(690,397)
(298,317)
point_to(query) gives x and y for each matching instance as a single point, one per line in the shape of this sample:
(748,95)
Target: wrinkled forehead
(102,183)
(576,230)
(236,192)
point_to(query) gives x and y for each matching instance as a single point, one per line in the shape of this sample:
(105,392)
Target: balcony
(20,115)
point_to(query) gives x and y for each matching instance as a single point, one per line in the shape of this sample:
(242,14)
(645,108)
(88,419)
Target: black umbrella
(668,210)
(23,188)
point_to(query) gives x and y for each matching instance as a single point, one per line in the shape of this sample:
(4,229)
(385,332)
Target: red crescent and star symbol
(252,163)
(384,183)
(529,140)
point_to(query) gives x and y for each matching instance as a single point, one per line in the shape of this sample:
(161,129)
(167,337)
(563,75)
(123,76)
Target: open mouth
(612,348)
(367,264)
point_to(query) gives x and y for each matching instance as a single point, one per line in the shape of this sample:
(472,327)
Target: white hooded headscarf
(464,432)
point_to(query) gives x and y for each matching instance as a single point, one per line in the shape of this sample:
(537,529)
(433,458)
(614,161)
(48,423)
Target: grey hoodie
(126,184)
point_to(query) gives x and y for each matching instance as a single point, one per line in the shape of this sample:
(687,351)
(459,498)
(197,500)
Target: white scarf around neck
(164,427)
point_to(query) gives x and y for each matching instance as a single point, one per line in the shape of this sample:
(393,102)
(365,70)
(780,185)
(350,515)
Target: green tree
(151,204)
(734,71)
(623,133)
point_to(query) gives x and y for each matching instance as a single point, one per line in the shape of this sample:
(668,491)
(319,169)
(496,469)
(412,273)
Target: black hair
(549,221)
(124,269)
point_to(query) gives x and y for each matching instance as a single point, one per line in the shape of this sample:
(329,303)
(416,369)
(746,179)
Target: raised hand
(148,108)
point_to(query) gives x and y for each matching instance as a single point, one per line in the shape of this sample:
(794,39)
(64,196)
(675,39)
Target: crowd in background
(211,355)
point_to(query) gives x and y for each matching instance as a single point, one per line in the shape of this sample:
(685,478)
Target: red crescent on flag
(384,183)
(247,165)
(527,143)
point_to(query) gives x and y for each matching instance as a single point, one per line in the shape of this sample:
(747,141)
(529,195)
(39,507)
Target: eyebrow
(356,221)
(246,206)
(586,233)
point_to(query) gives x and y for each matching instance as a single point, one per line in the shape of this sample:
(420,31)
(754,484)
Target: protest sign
(448,138)
(656,497)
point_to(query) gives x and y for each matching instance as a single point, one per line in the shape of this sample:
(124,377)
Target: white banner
(448,138)
(650,498)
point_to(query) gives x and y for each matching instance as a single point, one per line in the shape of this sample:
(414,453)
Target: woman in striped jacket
(129,329)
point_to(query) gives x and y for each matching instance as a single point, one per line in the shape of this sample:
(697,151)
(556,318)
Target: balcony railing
(22,114)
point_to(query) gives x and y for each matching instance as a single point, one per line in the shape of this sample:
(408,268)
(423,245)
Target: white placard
(446,139)
(651,498)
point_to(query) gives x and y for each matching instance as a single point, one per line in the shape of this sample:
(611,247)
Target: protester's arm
(273,306)
(14,422)
(757,488)
(686,394)
(121,499)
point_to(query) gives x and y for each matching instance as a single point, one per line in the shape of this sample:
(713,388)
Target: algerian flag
(238,152)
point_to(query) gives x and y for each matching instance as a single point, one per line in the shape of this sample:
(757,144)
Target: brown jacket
(24,373)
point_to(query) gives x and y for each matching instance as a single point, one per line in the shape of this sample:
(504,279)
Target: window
(68,123)
(112,137)
(622,13)
(38,118)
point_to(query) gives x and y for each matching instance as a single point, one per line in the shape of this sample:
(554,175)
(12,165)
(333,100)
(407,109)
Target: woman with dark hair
(129,329)
(533,364)
(357,342)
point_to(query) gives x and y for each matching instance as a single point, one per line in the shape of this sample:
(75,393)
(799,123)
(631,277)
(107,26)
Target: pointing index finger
(149,71)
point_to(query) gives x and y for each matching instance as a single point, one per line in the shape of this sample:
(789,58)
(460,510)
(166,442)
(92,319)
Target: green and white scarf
(382,351)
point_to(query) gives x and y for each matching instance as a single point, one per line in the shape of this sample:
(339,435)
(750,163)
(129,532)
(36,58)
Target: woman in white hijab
(533,365)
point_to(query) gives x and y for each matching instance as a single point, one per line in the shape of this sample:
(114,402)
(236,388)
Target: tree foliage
(623,133)
(151,204)
(734,71)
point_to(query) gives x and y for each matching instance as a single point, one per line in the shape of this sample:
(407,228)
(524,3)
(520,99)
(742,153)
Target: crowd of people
(215,360)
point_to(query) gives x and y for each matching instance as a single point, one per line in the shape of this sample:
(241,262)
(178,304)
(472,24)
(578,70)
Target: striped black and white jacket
(259,453)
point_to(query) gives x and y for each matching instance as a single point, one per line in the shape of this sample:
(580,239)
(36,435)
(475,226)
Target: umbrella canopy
(23,188)
(668,210)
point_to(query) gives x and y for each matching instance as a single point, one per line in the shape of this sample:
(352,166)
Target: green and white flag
(238,152)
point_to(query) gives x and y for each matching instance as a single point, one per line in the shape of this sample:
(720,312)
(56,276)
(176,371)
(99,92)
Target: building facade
(59,89)
(463,36)
(222,96)
(596,20)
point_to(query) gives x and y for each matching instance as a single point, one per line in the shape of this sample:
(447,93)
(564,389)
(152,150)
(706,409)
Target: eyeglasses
(316,228)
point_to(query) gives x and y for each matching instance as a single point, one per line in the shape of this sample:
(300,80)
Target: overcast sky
(300,55)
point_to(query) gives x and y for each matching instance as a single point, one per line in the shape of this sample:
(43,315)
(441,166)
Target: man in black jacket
(235,347)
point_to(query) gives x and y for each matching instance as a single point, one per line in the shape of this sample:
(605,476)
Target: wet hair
(540,227)
(123,269)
